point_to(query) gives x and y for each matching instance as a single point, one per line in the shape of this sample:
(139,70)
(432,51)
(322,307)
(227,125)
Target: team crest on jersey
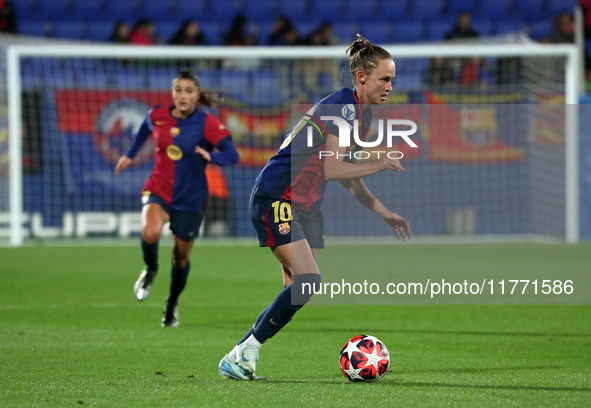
(174,132)
(222,127)
(284,228)
(348,111)
(174,152)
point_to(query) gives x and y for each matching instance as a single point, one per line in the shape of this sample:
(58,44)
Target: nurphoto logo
(389,130)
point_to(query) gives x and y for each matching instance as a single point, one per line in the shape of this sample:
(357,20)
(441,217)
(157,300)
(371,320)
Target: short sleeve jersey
(178,175)
(296,172)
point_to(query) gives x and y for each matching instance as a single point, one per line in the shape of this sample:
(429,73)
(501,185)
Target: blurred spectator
(441,72)
(189,34)
(469,68)
(564,29)
(7,17)
(144,32)
(462,30)
(564,33)
(121,33)
(237,34)
(322,36)
(283,32)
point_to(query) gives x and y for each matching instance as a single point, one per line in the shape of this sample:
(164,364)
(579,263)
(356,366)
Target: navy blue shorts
(183,224)
(313,225)
(276,225)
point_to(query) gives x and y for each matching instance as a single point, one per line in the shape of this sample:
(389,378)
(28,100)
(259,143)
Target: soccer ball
(364,358)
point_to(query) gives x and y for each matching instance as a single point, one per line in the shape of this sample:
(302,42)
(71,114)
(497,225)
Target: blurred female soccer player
(176,191)
(295,180)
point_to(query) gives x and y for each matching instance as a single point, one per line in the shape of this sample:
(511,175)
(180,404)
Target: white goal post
(15,53)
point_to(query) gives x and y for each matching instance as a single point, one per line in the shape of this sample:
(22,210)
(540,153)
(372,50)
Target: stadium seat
(157,10)
(408,31)
(52,9)
(393,9)
(553,7)
(129,78)
(226,10)
(93,80)
(482,26)
(265,79)
(167,29)
(24,9)
(209,79)
(305,26)
(345,31)
(295,9)
(330,10)
(354,9)
(212,30)
(99,30)
(426,9)
(234,81)
(378,32)
(195,9)
(161,78)
(33,28)
(87,10)
(509,26)
(71,30)
(497,10)
(121,10)
(60,79)
(437,29)
(529,10)
(454,7)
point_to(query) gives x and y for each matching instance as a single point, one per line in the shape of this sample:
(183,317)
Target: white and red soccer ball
(364,358)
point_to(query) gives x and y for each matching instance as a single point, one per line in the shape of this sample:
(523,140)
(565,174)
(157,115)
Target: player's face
(185,95)
(376,86)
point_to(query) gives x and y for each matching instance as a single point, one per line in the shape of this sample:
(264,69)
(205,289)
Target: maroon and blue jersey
(178,175)
(296,172)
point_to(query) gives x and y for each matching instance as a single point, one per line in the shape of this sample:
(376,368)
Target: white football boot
(240,363)
(143,285)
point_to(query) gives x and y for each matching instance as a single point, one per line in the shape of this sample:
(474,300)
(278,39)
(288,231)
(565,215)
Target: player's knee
(150,235)
(304,286)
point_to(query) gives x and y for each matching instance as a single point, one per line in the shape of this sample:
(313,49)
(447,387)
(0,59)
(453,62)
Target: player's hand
(203,153)
(400,225)
(386,163)
(123,162)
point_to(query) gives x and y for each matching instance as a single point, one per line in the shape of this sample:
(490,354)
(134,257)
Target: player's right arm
(140,137)
(337,169)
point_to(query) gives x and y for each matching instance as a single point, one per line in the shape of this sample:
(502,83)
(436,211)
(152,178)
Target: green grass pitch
(72,334)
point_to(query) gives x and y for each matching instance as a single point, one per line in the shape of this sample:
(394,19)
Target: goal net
(494,133)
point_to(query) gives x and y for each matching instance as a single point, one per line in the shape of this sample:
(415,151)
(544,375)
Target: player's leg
(153,220)
(185,228)
(179,272)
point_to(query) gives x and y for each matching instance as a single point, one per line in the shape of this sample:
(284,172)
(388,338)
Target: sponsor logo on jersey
(284,228)
(174,132)
(348,111)
(222,127)
(174,152)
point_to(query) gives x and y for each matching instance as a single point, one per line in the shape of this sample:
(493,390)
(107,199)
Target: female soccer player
(295,180)
(176,191)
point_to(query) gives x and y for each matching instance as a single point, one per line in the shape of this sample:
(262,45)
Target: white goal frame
(16,52)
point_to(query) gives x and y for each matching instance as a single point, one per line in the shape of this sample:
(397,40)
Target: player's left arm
(217,135)
(361,193)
